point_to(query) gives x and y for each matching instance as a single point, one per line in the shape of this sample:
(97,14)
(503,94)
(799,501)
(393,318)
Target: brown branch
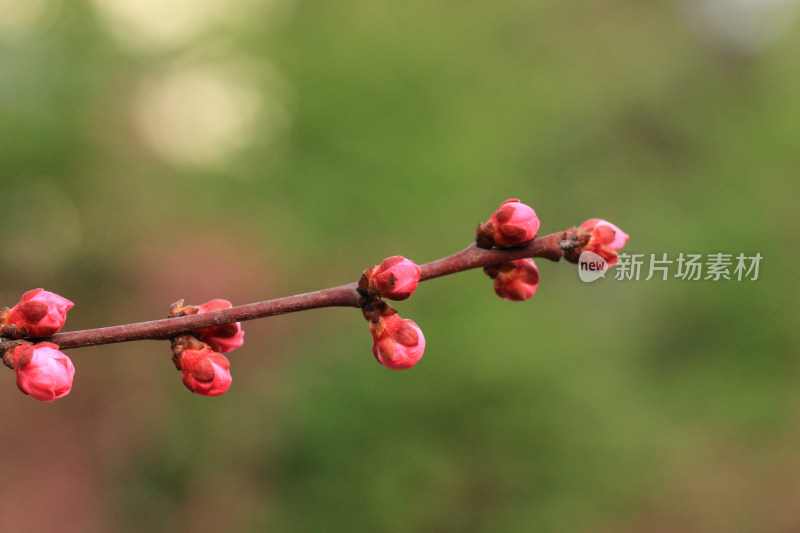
(549,247)
(167,328)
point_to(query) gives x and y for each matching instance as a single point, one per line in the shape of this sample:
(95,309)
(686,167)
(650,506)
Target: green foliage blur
(251,149)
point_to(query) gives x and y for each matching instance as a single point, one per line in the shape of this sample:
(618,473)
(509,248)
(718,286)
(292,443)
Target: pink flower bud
(38,314)
(513,224)
(43,371)
(395,278)
(606,239)
(205,371)
(224,338)
(516,280)
(398,342)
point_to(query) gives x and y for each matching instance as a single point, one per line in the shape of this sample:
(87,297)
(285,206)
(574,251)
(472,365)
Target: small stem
(342,296)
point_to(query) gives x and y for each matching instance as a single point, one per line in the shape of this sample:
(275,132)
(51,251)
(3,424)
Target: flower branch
(200,334)
(342,296)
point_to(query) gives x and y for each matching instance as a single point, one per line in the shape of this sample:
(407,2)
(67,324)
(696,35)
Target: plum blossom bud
(513,224)
(42,370)
(39,313)
(224,338)
(203,371)
(606,239)
(398,342)
(515,280)
(395,278)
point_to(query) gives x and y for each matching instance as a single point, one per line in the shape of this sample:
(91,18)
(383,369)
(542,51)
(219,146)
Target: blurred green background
(251,149)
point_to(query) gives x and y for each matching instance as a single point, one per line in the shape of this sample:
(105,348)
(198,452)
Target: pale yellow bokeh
(199,115)
(164,25)
(19,17)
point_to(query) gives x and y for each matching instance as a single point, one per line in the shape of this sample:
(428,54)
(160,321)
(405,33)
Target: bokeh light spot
(21,16)
(198,115)
(742,25)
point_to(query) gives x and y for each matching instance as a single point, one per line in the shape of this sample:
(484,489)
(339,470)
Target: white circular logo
(591,267)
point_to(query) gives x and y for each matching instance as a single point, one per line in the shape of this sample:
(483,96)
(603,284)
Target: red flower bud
(516,280)
(606,239)
(398,342)
(204,371)
(395,278)
(42,371)
(224,338)
(513,224)
(38,314)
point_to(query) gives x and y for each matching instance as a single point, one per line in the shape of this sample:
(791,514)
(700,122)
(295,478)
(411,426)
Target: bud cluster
(513,224)
(43,372)
(204,370)
(398,343)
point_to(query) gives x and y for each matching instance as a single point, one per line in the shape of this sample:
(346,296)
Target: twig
(551,247)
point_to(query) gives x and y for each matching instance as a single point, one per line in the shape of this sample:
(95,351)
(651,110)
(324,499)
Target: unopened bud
(39,313)
(395,278)
(43,372)
(515,280)
(606,239)
(224,338)
(203,371)
(398,343)
(513,224)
